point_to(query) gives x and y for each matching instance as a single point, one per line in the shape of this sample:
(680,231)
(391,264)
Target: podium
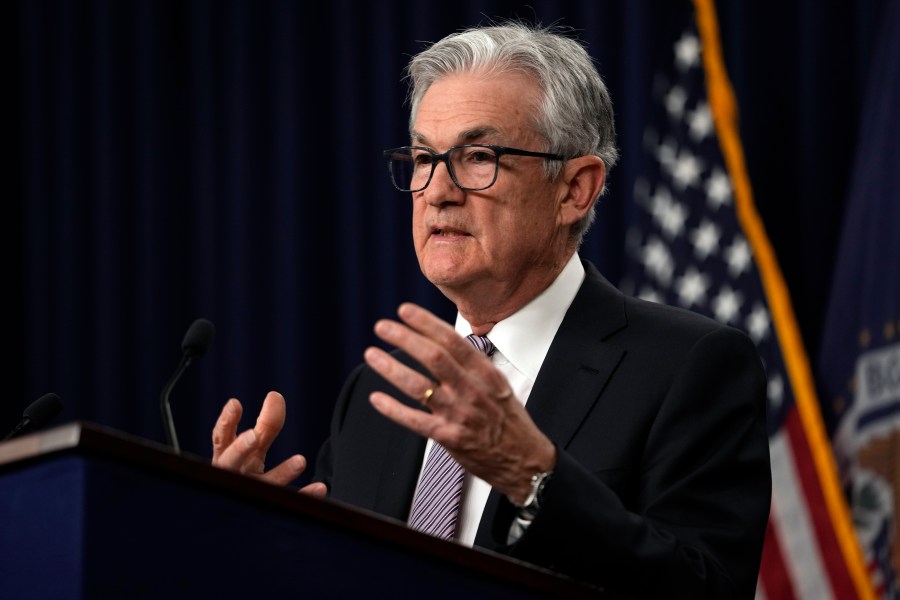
(91,512)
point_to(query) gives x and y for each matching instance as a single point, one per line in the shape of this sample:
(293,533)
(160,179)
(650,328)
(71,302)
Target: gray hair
(575,117)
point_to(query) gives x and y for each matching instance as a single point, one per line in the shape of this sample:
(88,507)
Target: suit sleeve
(324,471)
(694,526)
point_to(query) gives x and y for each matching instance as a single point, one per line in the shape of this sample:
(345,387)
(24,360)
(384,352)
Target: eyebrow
(467,136)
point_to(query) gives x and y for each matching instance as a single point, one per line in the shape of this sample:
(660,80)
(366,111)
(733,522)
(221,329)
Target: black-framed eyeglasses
(472,166)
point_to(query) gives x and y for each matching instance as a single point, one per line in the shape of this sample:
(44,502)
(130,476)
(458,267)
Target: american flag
(697,242)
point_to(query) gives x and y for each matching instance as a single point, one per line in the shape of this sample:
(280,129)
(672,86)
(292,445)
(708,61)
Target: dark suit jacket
(662,486)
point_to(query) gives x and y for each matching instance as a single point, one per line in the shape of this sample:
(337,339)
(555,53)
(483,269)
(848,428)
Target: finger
(469,370)
(316,489)
(287,471)
(416,420)
(457,366)
(238,456)
(270,420)
(423,320)
(431,354)
(434,343)
(225,429)
(432,327)
(413,383)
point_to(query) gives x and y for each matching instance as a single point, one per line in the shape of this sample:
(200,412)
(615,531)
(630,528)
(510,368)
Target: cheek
(511,238)
(418,216)
(529,220)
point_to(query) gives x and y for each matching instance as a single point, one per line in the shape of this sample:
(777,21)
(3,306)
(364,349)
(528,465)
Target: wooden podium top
(137,454)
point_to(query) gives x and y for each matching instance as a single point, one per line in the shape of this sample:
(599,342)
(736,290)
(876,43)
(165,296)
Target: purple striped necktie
(435,508)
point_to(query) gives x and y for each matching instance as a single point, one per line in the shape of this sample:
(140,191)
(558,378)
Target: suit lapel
(400,472)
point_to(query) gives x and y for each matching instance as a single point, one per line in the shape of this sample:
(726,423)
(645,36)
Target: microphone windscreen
(198,338)
(42,410)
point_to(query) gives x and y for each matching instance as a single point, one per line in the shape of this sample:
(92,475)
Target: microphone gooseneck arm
(196,342)
(165,407)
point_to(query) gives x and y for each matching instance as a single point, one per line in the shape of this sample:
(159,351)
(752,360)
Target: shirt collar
(525,336)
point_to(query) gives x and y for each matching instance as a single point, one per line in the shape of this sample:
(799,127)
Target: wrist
(532,503)
(538,470)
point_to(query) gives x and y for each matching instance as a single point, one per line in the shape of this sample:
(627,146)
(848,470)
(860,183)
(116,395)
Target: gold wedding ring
(427,396)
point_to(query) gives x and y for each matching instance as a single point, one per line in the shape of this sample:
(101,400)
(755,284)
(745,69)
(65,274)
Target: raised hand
(246,453)
(473,412)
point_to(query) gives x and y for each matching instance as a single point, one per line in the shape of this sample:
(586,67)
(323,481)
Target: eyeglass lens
(472,167)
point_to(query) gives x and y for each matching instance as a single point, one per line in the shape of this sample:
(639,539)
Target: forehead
(470,107)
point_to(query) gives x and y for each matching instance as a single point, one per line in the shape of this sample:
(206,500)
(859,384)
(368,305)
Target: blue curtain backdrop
(196,158)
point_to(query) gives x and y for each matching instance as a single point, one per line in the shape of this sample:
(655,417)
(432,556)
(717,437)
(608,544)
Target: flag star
(700,122)
(665,153)
(687,52)
(675,101)
(758,322)
(775,390)
(658,261)
(737,256)
(727,304)
(705,239)
(668,214)
(686,170)
(691,287)
(718,189)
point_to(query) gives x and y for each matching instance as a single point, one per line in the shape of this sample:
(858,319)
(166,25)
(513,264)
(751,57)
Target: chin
(441,281)
(449,272)
(443,278)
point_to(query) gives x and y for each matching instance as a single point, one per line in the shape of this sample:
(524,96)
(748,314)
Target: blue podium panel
(90,513)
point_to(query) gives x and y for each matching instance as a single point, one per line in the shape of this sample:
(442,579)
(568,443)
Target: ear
(581,180)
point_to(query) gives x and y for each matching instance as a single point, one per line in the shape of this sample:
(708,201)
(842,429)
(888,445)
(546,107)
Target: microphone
(39,413)
(196,342)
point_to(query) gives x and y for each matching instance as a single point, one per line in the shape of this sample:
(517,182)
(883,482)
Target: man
(610,439)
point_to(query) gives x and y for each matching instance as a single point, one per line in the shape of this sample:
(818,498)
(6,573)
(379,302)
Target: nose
(442,189)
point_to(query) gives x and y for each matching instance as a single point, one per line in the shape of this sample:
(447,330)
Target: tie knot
(482,343)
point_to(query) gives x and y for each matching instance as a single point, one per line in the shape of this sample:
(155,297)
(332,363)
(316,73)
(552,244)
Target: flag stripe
(828,546)
(790,513)
(774,579)
(723,106)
